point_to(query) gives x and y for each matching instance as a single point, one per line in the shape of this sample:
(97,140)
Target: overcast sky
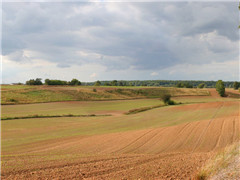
(124,41)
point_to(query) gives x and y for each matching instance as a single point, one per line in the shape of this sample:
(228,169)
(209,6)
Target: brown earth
(175,152)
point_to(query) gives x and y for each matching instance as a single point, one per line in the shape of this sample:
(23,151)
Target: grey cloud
(62,65)
(139,35)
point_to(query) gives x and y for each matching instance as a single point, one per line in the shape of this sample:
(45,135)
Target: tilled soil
(163,166)
(175,152)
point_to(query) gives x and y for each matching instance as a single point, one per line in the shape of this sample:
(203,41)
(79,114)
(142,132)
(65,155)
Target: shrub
(119,91)
(202,85)
(12,100)
(201,176)
(94,90)
(166,98)
(171,102)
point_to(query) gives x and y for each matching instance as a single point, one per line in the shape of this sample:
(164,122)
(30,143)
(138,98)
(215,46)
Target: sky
(97,40)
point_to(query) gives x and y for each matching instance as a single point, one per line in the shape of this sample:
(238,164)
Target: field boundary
(142,109)
(52,116)
(117,99)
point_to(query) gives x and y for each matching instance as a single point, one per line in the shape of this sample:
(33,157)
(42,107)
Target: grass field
(77,107)
(35,94)
(163,143)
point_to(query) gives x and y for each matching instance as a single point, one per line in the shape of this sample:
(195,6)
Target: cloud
(133,37)
(93,75)
(154,74)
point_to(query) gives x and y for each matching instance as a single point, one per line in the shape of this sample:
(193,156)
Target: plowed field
(170,142)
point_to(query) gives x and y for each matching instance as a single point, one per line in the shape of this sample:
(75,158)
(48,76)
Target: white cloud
(154,74)
(93,75)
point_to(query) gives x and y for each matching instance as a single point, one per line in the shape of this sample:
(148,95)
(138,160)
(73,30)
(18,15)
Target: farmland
(33,94)
(163,142)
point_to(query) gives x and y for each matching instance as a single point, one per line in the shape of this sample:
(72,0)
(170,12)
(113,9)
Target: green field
(36,94)
(76,107)
(25,131)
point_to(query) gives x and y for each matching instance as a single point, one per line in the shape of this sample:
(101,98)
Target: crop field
(77,107)
(164,142)
(33,94)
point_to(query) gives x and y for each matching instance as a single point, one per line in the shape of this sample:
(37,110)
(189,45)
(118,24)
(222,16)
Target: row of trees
(184,85)
(112,83)
(38,81)
(164,83)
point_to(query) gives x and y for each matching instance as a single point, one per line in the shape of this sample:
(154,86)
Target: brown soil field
(175,152)
(157,152)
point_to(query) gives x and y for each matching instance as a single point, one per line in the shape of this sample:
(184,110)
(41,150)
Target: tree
(202,85)
(180,85)
(74,82)
(166,98)
(97,83)
(47,81)
(188,85)
(220,88)
(236,85)
(37,81)
(121,83)
(107,84)
(55,82)
(114,83)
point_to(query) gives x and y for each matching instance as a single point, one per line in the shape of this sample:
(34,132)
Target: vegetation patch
(221,161)
(166,98)
(233,95)
(135,111)
(50,116)
(39,94)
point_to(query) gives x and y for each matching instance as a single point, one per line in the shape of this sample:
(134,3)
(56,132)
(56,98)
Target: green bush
(202,85)
(220,88)
(166,98)
(12,100)
(171,102)
(236,85)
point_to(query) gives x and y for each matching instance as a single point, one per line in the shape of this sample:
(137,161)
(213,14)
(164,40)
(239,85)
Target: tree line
(38,81)
(164,83)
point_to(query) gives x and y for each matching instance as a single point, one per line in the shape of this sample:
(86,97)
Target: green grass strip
(52,116)
(135,111)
